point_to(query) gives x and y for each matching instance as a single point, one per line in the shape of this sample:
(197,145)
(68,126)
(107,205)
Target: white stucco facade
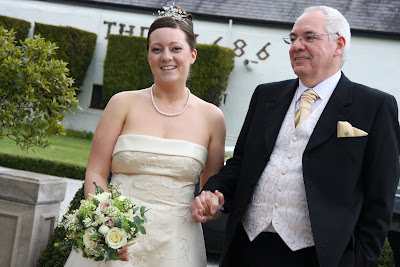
(371,61)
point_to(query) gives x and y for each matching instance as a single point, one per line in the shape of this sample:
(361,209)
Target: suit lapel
(337,109)
(275,112)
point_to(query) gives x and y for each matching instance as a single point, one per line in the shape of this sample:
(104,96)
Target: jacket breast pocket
(352,141)
(349,151)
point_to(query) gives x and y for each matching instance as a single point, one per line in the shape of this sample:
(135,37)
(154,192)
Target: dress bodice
(161,171)
(141,154)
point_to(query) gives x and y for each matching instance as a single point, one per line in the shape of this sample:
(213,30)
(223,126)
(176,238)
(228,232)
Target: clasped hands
(207,206)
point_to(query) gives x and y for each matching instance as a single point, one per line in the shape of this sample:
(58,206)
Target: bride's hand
(123,254)
(207,206)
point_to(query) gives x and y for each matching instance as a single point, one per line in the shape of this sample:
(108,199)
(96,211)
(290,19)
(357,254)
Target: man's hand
(207,206)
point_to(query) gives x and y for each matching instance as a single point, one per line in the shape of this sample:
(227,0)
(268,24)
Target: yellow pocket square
(344,129)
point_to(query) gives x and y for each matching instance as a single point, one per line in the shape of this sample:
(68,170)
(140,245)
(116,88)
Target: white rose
(103,196)
(122,198)
(103,229)
(116,238)
(87,237)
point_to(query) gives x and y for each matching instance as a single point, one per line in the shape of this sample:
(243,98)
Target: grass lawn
(64,148)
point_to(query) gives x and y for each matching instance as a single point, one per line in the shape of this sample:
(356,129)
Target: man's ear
(340,45)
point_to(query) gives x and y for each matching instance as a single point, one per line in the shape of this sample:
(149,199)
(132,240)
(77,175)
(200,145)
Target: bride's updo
(174,17)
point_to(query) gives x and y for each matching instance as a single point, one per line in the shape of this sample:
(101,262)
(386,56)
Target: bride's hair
(183,23)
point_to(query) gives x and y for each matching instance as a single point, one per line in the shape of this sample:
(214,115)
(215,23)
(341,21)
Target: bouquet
(104,223)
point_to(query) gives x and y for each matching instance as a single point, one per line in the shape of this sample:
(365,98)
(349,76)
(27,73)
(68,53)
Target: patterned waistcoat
(279,196)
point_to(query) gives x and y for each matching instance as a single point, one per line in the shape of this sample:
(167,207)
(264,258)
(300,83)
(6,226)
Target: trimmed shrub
(126,68)
(50,167)
(386,259)
(210,73)
(75,46)
(79,134)
(21,27)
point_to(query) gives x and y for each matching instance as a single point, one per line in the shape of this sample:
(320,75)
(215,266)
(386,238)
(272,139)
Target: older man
(315,168)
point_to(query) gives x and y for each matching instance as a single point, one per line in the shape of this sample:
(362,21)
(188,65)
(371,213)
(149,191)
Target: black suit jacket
(350,182)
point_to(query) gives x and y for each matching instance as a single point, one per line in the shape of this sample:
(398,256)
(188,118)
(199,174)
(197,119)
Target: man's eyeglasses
(307,37)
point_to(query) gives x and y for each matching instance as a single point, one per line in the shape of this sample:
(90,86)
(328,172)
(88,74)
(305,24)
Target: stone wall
(29,211)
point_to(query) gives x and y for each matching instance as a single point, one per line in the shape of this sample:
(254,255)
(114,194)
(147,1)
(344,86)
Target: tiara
(172,11)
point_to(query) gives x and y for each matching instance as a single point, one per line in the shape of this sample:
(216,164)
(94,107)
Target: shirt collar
(323,89)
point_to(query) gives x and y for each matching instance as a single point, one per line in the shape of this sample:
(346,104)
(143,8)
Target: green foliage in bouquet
(75,46)
(35,90)
(126,68)
(21,27)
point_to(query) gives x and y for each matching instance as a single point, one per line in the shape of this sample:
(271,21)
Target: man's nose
(298,44)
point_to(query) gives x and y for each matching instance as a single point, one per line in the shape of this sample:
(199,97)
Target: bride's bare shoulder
(129,96)
(208,108)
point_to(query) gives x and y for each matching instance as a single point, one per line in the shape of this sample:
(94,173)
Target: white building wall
(371,61)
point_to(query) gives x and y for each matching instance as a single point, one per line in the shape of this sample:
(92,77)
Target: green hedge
(50,167)
(21,27)
(126,68)
(75,46)
(387,258)
(56,256)
(209,74)
(79,134)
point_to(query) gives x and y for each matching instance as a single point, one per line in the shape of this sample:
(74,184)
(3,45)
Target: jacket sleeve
(380,179)
(226,180)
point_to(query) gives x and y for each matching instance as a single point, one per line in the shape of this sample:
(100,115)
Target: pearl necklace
(169,114)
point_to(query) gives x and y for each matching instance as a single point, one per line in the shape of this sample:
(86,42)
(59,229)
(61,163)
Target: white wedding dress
(160,174)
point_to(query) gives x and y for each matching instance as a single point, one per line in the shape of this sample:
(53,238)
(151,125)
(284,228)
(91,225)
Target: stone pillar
(29,209)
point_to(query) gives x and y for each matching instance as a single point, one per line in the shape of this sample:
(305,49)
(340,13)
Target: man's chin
(300,71)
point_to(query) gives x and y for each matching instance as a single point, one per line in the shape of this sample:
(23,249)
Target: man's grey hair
(335,23)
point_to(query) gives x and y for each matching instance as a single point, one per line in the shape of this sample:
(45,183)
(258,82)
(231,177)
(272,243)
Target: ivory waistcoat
(279,196)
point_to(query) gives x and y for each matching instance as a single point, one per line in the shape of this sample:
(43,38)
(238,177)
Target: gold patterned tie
(306,100)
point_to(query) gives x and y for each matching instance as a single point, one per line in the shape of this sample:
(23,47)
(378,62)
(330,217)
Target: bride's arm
(201,208)
(107,131)
(216,146)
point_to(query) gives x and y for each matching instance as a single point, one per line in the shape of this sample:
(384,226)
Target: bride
(159,142)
